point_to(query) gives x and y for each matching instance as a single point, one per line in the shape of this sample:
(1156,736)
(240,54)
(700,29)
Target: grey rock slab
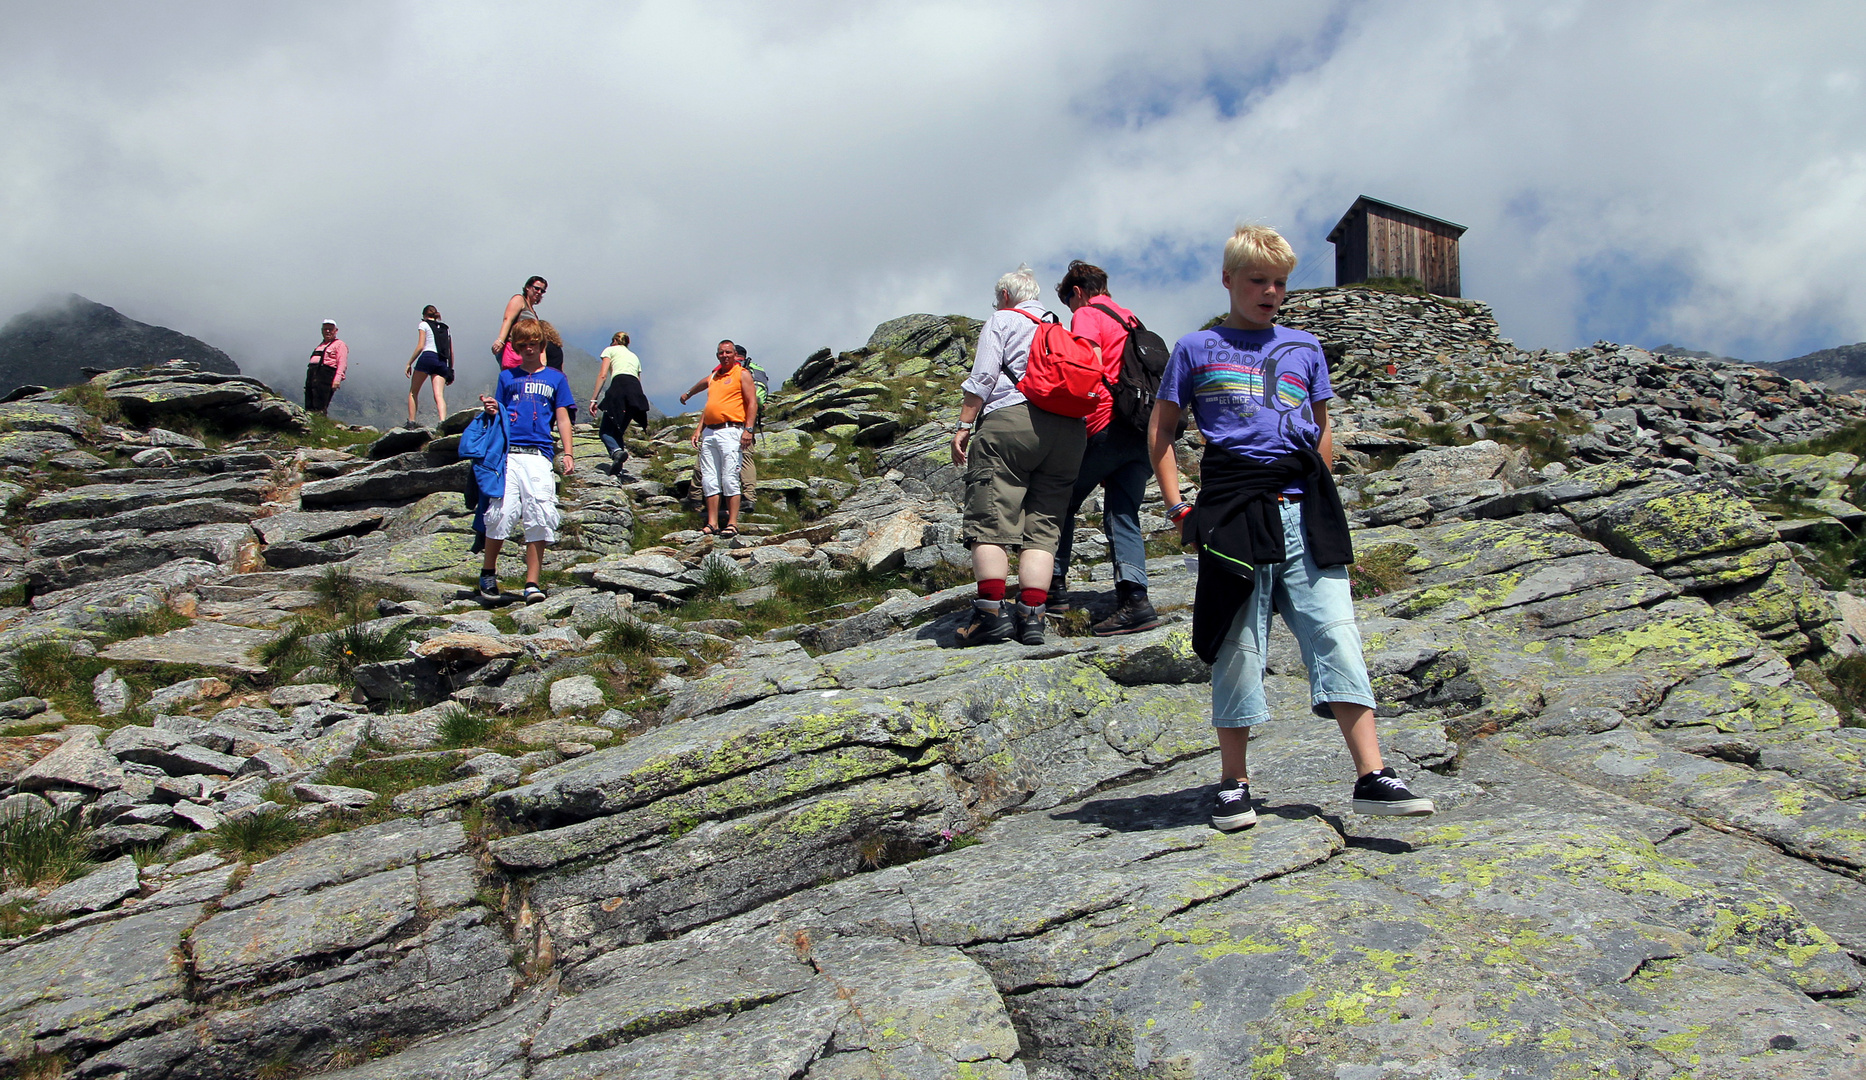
(491,1049)
(185,759)
(347,797)
(1161,655)
(421,800)
(442,978)
(199,815)
(395,479)
(89,985)
(667,983)
(210,645)
(577,694)
(339,857)
(112,694)
(79,762)
(674,757)
(254,939)
(1797,817)
(45,416)
(758,789)
(187,692)
(103,500)
(722,868)
(914,1002)
(302,694)
(95,891)
(776,1042)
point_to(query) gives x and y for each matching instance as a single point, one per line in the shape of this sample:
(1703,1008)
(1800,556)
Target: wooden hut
(1377,239)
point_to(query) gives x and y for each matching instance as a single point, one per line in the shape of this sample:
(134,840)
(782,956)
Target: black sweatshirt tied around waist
(1238,526)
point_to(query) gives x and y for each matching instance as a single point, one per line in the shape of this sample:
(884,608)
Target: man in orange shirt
(723,435)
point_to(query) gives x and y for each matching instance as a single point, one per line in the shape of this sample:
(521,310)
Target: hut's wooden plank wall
(1376,239)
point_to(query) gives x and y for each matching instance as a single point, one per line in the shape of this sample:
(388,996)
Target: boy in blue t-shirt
(536,399)
(1269,524)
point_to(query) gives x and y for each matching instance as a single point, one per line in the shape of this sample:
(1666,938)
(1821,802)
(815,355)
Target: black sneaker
(533,594)
(1134,615)
(1383,794)
(1231,807)
(1059,597)
(489,587)
(1030,623)
(990,625)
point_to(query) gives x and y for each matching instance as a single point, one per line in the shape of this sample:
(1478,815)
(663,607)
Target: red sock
(991,590)
(1035,597)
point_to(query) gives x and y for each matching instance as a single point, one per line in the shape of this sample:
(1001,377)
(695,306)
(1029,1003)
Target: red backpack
(1064,372)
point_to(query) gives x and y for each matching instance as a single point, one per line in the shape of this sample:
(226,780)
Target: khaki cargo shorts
(1020,470)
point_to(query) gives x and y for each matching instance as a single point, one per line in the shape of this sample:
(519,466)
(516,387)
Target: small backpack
(443,346)
(1064,373)
(761,380)
(1143,362)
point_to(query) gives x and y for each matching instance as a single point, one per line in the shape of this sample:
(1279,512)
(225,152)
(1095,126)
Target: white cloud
(791,175)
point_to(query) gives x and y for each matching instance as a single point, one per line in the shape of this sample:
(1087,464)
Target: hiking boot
(1030,624)
(1134,614)
(990,624)
(533,594)
(1059,597)
(489,587)
(1384,794)
(1231,808)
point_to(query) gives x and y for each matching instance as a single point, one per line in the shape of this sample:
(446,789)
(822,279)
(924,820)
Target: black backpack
(1143,361)
(443,346)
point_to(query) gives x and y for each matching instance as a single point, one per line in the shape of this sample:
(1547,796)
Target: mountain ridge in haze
(52,344)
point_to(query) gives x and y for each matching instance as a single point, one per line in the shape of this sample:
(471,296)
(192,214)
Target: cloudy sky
(791,174)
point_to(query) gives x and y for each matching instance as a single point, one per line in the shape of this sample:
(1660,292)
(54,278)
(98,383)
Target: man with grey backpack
(1115,458)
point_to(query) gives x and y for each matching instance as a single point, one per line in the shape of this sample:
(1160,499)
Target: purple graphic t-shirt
(1251,391)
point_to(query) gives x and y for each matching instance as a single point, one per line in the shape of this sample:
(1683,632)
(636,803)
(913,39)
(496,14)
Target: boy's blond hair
(1255,246)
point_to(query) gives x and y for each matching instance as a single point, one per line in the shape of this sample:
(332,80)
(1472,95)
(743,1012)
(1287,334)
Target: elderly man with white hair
(1020,467)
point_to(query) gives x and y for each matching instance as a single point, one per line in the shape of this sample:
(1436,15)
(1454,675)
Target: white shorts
(530,500)
(719,460)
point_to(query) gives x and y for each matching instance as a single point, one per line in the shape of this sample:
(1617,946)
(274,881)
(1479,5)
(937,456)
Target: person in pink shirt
(325,372)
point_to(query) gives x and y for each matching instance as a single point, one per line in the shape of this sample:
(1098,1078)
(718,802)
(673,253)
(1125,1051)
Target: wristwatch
(965,425)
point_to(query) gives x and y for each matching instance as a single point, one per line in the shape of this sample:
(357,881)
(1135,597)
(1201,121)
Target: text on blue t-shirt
(1251,391)
(531,400)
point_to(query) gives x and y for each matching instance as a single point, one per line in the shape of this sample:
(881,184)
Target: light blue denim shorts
(1318,607)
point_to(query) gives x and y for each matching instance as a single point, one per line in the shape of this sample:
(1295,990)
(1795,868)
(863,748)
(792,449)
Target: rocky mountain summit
(52,344)
(282,799)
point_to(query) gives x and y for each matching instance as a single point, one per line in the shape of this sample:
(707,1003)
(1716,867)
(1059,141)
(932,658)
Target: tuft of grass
(289,653)
(719,577)
(459,727)
(390,777)
(1849,680)
(40,1066)
(1405,286)
(44,668)
(346,649)
(43,848)
(623,637)
(1380,570)
(257,836)
(92,399)
(145,623)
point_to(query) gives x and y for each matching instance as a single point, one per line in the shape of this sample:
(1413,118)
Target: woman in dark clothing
(625,403)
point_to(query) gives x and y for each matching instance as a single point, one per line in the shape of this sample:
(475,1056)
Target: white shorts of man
(530,501)
(719,460)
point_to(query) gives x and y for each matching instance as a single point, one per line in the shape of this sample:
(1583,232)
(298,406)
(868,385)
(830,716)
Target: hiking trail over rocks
(282,799)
